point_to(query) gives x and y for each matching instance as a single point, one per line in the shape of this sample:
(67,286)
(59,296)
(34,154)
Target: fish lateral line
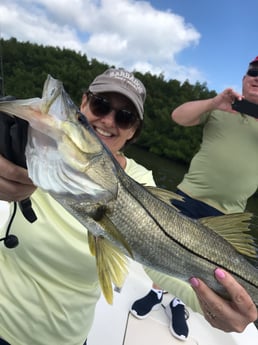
(207,259)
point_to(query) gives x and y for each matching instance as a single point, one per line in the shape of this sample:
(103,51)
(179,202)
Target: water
(168,174)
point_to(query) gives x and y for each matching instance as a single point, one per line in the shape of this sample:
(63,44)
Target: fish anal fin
(235,228)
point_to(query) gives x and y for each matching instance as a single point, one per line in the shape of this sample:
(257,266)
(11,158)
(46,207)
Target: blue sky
(198,40)
(228,31)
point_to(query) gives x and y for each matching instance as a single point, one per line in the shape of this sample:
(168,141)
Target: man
(221,178)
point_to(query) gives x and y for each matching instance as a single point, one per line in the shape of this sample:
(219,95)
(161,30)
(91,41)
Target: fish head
(63,153)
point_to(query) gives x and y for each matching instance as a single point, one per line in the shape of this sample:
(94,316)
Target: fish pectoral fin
(235,228)
(91,242)
(106,223)
(165,195)
(111,266)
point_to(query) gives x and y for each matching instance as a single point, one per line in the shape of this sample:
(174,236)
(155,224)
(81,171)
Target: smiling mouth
(103,133)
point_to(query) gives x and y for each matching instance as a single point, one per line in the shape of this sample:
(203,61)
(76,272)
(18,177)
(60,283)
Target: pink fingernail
(219,273)
(194,282)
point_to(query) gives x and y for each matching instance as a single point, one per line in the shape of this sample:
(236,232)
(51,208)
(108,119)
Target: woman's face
(106,128)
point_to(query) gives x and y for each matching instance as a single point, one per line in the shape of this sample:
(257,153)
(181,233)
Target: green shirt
(224,173)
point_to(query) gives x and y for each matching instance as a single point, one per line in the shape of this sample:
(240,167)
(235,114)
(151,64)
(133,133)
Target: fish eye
(81,118)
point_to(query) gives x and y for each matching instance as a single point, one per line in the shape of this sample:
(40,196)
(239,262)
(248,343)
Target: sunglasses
(100,107)
(252,73)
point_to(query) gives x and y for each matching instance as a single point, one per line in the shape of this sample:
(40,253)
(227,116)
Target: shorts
(193,208)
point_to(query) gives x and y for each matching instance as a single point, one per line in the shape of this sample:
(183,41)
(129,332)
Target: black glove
(13,139)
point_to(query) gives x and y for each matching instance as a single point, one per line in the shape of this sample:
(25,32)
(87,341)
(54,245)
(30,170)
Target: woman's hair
(136,134)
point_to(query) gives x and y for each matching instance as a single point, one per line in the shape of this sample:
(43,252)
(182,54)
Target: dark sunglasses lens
(125,119)
(99,105)
(252,73)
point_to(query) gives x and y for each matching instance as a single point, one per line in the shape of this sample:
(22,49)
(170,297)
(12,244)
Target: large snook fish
(124,218)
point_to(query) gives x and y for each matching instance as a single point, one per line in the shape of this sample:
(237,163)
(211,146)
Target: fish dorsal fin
(235,228)
(164,195)
(111,265)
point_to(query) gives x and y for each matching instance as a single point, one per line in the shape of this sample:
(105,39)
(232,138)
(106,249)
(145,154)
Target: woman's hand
(15,185)
(228,315)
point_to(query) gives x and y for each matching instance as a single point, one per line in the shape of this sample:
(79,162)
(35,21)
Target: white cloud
(126,33)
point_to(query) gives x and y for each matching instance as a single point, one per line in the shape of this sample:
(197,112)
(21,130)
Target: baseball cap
(253,64)
(254,61)
(124,82)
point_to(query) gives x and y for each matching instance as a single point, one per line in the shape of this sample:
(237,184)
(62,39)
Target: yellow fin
(91,242)
(235,228)
(111,266)
(164,195)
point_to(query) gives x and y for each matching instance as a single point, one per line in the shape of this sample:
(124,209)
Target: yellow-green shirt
(48,283)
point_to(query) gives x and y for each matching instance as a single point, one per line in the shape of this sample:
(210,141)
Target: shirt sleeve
(139,173)
(204,117)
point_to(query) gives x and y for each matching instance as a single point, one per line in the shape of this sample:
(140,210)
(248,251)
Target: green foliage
(26,66)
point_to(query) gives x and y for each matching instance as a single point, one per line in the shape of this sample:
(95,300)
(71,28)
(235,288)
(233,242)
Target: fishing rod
(2,92)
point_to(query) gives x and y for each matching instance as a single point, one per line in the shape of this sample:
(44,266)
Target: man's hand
(223,101)
(228,315)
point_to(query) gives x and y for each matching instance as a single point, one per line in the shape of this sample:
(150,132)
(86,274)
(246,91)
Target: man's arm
(189,113)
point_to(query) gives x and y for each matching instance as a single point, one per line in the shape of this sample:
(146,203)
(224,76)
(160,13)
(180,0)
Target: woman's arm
(228,315)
